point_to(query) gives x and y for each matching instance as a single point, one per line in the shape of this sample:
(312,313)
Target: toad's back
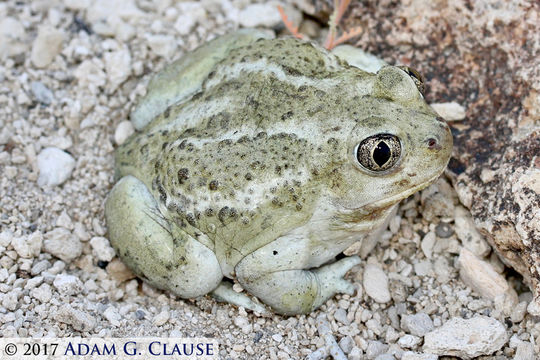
(263,160)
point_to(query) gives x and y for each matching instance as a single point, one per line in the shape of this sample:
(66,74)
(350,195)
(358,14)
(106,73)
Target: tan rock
(119,271)
(450,111)
(468,234)
(482,277)
(46,46)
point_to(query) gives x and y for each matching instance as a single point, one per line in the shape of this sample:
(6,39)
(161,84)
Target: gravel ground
(69,74)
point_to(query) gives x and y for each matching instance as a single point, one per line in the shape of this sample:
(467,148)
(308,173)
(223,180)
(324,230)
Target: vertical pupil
(381,154)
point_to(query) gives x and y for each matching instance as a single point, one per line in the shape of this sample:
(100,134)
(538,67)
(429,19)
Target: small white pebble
(123,131)
(41,92)
(5,238)
(68,284)
(102,249)
(28,246)
(341,316)
(417,324)
(237,288)
(376,283)
(55,166)
(63,244)
(80,320)
(112,315)
(42,293)
(33,282)
(46,46)
(255,15)
(409,341)
(533,308)
(10,299)
(161,318)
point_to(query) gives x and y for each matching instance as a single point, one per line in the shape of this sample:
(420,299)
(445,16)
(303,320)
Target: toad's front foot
(294,291)
(331,279)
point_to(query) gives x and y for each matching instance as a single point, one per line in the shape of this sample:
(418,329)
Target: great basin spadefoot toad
(262,159)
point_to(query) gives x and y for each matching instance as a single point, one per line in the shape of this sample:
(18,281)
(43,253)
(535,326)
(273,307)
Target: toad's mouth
(372,215)
(391,200)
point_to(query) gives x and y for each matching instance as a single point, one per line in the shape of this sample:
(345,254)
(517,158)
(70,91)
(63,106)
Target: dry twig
(340,6)
(288,24)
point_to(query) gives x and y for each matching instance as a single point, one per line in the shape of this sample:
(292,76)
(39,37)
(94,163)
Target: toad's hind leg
(155,249)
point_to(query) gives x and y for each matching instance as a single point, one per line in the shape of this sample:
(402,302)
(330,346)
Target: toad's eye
(378,152)
(416,77)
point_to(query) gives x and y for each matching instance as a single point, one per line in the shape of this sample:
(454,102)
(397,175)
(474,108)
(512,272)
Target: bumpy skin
(255,175)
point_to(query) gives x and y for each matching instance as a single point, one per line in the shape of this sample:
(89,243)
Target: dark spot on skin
(274,252)
(226,213)
(403,182)
(277,202)
(209,212)
(172,206)
(167,112)
(190,218)
(287,115)
(440,119)
(182,145)
(248,177)
(214,184)
(299,206)
(243,139)
(333,142)
(260,135)
(183,175)
(162,193)
(144,149)
(315,110)
(164,145)
(291,71)
(224,143)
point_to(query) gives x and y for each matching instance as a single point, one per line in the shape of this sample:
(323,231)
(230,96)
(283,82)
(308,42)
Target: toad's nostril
(433,144)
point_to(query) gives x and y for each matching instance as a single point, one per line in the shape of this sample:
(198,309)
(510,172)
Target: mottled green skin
(263,154)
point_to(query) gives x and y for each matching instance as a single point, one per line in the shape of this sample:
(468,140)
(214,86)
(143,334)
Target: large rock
(466,339)
(488,61)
